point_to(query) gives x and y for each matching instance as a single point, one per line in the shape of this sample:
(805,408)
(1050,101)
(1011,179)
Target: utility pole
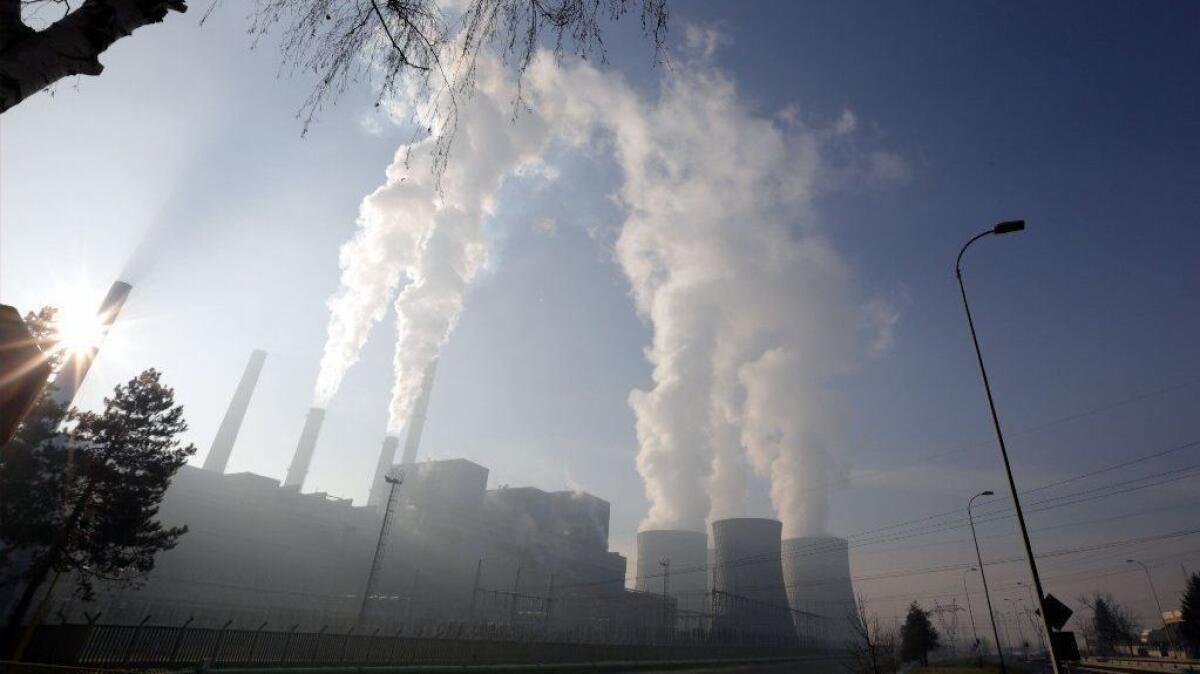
(381,545)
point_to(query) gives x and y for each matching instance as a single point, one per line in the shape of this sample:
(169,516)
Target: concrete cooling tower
(749,600)
(816,570)
(687,553)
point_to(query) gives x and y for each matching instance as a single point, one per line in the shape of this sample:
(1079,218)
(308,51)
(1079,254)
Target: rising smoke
(752,309)
(427,240)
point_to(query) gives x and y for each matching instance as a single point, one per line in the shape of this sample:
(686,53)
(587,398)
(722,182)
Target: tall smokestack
(222,445)
(387,455)
(304,449)
(416,419)
(76,366)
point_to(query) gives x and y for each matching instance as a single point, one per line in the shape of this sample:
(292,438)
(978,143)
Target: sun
(80,328)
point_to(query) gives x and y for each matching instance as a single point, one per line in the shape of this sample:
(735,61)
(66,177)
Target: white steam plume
(428,238)
(752,310)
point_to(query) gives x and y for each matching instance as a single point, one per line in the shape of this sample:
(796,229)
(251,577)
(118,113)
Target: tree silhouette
(1112,625)
(1189,629)
(917,636)
(31,60)
(82,498)
(405,43)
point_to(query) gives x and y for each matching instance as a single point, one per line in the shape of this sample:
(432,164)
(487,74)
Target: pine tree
(1189,629)
(1112,625)
(918,636)
(83,498)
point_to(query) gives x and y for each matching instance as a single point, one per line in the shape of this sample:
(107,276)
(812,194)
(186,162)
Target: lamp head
(1131,561)
(987,493)
(1008,227)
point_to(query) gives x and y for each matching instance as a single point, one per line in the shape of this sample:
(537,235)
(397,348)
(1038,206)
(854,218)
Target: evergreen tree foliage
(918,636)
(1112,625)
(81,491)
(1189,629)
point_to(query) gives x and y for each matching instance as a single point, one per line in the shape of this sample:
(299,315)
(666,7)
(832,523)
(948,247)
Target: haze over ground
(992,113)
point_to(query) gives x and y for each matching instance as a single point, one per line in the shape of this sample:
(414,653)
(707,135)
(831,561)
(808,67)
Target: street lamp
(1150,579)
(983,576)
(970,611)
(1006,227)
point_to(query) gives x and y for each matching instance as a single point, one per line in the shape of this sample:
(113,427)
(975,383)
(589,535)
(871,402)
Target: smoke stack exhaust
(227,433)
(387,455)
(304,449)
(76,366)
(416,419)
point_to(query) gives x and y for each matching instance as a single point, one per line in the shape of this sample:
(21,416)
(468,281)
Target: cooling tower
(76,366)
(816,570)
(387,455)
(687,552)
(222,445)
(749,601)
(304,449)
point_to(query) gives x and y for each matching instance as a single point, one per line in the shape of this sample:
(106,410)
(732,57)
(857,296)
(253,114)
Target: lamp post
(1032,620)
(1021,645)
(1007,227)
(983,576)
(1150,579)
(970,611)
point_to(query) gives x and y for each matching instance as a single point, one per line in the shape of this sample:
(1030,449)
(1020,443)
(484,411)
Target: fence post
(137,632)
(371,646)
(179,638)
(395,643)
(346,643)
(319,641)
(254,642)
(216,651)
(287,644)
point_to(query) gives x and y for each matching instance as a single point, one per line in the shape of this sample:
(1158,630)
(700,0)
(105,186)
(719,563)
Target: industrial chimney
(387,455)
(416,418)
(816,570)
(298,470)
(749,601)
(76,366)
(686,553)
(222,445)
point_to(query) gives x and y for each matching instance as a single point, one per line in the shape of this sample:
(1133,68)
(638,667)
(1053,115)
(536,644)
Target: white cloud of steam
(752,310)
(430,241)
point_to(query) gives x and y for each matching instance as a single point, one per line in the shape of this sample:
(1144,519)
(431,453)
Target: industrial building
(457,557)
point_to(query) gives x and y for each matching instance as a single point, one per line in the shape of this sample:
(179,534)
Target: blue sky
(1081,119)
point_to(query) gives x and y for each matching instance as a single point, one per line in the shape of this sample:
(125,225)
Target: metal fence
(143,646)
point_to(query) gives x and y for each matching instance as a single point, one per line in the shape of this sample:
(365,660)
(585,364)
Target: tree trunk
(16,615)
(42,568)
(33,60)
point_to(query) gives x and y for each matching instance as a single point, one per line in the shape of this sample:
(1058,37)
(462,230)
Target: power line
(1049,503)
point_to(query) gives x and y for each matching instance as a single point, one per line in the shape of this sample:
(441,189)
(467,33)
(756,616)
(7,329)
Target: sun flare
(80,327)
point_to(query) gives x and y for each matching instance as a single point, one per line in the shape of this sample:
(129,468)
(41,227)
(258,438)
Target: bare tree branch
(33,60)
